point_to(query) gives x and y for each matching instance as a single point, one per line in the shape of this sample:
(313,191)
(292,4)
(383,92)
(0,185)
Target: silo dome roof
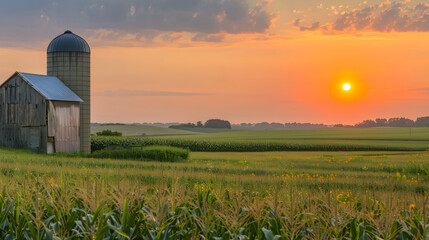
(68,42)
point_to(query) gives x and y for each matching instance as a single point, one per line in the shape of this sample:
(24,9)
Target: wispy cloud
(385,17)
(201,37)
(140,93)
(421,90)
(313,27)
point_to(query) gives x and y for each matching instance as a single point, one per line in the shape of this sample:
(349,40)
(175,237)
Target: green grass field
(394,137)
(380,139)
(216,195)
(251,171)
(332,134)
(205,130)
(138,130)
(364,139)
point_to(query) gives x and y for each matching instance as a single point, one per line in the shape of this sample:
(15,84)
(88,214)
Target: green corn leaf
(269,235)
(125,214)
(117,230)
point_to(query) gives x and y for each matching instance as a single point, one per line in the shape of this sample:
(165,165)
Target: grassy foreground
(295,195)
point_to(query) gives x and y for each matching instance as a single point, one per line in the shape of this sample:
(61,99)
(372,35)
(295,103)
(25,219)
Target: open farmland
(385,139)
(205,130)
(296,195)
(139,130)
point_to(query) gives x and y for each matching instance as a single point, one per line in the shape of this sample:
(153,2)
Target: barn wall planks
(23,116)
(63,125)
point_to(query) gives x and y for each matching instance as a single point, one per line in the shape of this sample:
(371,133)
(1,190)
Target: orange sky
(282,75)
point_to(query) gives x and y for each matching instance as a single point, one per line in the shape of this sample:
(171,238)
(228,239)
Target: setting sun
(347,87)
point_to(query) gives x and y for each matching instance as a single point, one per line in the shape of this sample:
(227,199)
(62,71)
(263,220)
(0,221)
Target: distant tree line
(223,124)
(379,122)
(394,122)
(109,133)
(211,123)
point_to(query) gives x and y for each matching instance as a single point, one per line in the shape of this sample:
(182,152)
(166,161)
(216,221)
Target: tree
(199,124)
(366,124)
(400,122)
(381,122)
(109,133)
(422,122)
(217,123)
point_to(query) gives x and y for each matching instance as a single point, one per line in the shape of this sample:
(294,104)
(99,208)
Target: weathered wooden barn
(39,112)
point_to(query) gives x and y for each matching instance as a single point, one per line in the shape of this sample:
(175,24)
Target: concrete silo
(69,60)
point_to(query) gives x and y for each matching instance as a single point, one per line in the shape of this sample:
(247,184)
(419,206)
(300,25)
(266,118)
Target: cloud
(29,20)
(139,93)
(313,27)
(297,22)
(385,17)
(201,37)
(172,37)
(422,90)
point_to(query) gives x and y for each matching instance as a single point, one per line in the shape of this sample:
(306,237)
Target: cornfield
(273,195)
(158,153)
(54,209)
(210,145)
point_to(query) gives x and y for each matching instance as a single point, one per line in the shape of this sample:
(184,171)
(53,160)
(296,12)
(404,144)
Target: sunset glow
(346,87)
(291,64)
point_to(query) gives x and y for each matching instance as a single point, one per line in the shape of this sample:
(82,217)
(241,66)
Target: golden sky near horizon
(244,61)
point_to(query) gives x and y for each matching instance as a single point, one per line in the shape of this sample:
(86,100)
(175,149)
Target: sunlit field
(334,139)
(139,130)
(412,138)
(295,195)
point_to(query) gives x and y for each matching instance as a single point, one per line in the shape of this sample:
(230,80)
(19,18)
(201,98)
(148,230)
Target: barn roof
(50,87)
